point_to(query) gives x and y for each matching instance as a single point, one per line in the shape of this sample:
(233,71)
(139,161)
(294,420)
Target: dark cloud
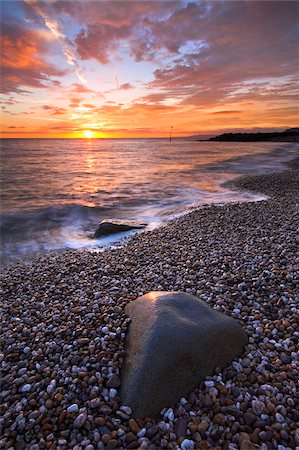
(126,86)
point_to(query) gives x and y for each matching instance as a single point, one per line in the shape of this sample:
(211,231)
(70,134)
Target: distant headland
(290,135)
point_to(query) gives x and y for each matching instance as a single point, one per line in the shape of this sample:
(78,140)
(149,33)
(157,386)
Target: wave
(48,218)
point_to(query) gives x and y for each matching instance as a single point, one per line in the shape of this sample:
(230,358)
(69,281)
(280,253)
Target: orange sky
(134,69)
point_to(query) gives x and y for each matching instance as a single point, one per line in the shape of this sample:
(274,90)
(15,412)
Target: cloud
(126,86)
(108,26)
(23,65)
(244,41)
(55,111)
(13,126)
(80,89)
(75,101)
(56,28)
(207,61)
(205,50)
(88,105)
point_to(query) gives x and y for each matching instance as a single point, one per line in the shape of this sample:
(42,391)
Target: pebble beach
(63,331)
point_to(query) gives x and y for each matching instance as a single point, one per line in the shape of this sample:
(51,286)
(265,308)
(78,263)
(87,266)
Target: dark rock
(121,415)
(105,409)
(152,431)
(112,444)
(180,427)
(249,418)
(130,437)
(215,432)
(175,341)
(111,226)
(232,411)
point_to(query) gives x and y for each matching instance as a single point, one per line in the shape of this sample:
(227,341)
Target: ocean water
(54,192)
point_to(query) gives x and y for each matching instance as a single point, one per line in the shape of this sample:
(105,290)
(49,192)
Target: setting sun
(88,134)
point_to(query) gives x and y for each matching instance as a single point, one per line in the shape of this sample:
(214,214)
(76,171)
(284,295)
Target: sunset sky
(134,69)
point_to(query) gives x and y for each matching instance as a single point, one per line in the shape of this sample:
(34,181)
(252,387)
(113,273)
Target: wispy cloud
(56,29)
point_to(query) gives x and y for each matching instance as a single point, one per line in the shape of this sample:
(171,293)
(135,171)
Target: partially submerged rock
(112,226)
(175,340)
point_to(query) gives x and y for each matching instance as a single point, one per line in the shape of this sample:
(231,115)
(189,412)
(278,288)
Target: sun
(88,134)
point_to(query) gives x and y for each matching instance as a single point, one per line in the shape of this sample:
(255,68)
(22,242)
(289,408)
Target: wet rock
(112,226)
(175,340)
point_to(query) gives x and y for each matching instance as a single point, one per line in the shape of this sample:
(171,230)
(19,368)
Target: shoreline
(239,257)
(30,232)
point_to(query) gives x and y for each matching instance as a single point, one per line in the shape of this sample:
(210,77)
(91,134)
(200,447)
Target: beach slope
(63,330)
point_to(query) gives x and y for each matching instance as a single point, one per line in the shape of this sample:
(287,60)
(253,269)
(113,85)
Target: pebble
(187,444)
(126,409)
(26,388)
(73,408)
(112,393)
(113,382)
(80,420)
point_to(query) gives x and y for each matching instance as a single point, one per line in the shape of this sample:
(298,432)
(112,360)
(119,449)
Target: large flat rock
(175,340)
(112,226)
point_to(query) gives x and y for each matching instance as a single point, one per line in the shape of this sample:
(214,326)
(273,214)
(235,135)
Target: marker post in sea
(170,133)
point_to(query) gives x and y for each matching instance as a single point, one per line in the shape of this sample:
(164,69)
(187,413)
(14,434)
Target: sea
(54,192)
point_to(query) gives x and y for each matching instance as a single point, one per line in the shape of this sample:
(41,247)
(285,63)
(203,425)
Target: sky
(110,69)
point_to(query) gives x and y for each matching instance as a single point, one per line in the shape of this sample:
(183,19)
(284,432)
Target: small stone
(284,435)
(215,432)
(73,408)
(219,419)
(152,431)
(257,406)
(83,341)
(112,444)
(62,416)
(279,418)
(106,410)
(126,409)
(141,433)
(106,438)
(180,427)
(58,397)
(94,403)
(187,444)
(203,426)
(112,393)
(130,437)
(134,427)
(122,415)
(80,420)
(249,418)
(26,388)
(246,362)
(100,421)
(26,350)
(113,382)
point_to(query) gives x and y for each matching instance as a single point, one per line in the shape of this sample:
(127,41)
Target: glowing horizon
(117,69)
